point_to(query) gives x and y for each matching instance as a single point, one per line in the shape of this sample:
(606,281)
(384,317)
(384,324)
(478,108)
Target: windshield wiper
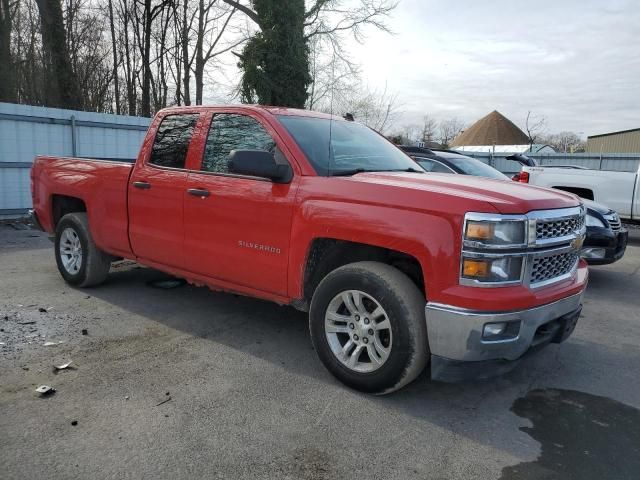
(410,170)
(347,173)
(353,171)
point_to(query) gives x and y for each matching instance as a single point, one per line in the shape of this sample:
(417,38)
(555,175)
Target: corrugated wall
(27,131)
(621,142)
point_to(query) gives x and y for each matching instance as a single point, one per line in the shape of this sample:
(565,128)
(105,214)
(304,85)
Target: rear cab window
(171,143)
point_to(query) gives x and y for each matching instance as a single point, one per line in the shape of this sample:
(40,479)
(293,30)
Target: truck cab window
(172,140)
(231,131)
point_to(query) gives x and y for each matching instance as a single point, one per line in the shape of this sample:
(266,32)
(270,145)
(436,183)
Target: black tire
(95,264)
(404,305)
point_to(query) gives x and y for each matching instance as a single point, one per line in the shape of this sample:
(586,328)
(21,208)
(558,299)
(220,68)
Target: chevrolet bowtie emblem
(577,242)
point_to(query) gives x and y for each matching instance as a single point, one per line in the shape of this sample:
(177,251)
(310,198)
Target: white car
(618,190)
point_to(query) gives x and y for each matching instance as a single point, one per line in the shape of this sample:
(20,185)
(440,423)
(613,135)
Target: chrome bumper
(456,334)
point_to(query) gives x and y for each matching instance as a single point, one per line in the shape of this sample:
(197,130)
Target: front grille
(548,229)
(614,221)
(551,267)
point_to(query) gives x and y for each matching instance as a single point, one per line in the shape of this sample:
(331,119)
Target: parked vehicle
(606,239)
(448,161)
(618,190)
(397,268)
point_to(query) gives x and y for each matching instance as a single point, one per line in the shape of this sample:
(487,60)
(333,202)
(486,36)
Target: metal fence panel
(27,131)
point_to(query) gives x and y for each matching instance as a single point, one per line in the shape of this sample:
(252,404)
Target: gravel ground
(188,383)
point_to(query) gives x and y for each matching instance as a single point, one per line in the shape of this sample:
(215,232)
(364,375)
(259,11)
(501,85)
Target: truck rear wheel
(368,327)
(79,261)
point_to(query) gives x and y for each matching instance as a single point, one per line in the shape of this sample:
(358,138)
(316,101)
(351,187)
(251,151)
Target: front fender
(432,239)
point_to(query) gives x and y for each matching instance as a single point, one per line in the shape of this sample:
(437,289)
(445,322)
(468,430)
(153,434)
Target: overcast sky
(576,62)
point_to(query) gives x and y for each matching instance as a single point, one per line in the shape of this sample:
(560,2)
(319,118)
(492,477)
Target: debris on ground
(45,390)
(42,310)
(48,344)
(164,401)
(74,422)
(27,323)
(63,366)
(85,331)
(167,283)
(19,226)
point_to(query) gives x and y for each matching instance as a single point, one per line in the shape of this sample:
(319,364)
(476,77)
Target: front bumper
(603,246)
(459,351)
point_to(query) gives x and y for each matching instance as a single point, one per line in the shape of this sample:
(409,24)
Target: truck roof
(274,110)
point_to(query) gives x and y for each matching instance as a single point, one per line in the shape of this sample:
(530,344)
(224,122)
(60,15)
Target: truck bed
(100,184)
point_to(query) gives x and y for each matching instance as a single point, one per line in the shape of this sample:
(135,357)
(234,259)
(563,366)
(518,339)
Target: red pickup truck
(398,268)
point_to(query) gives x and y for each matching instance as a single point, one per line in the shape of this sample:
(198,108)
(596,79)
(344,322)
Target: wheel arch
(581,192)
(326,254)
(64,204)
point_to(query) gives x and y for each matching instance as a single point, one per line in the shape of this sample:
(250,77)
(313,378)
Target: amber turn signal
(475,268)
(479,231)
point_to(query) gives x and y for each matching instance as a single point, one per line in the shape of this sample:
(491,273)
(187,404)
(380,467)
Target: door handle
(142,185)
(198,192)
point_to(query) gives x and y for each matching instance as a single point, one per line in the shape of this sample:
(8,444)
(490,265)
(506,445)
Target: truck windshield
(353,148)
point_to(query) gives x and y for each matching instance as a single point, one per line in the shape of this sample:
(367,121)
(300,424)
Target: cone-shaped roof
(495,128)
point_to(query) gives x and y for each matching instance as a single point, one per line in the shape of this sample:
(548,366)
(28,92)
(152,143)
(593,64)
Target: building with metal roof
(495,133)
(624,141)
(492,129)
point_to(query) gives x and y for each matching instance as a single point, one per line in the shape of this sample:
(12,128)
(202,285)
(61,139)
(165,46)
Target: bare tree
(565,142)
(377,109)
(449,129)
(7,75)
(212,24)
(62,88)
(429,129)
(535,126)
(116,63)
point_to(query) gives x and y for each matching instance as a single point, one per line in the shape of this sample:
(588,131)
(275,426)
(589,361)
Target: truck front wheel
(79,261)
(368,327)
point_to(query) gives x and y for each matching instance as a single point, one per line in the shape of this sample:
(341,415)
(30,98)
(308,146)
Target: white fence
(27,131)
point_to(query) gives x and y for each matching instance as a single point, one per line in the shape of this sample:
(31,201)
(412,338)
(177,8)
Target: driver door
(237,228)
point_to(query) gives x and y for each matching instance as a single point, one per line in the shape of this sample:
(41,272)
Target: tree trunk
(146,57)
(128,66)
(62,87)
(199,68)
(185,54)
(115,58)
(7,74)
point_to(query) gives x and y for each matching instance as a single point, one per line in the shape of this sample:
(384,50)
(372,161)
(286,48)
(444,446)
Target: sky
(575,62)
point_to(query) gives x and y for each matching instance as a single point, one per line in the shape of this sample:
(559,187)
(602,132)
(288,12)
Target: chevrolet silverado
(398,269)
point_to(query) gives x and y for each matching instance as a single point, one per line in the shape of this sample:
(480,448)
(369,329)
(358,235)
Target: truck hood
(507,197)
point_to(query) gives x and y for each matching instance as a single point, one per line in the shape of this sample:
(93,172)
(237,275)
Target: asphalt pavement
(188,383)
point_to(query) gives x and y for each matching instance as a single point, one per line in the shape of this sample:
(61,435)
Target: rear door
(237,228)
(156,193)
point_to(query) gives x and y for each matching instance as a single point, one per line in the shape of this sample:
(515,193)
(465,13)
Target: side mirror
(259,163)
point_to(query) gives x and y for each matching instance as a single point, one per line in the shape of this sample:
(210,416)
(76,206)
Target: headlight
(593,221)
(482,269)
(497,233)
